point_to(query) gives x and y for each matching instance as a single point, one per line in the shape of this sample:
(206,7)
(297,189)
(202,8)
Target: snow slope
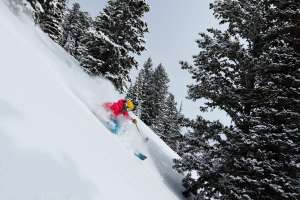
(53,144)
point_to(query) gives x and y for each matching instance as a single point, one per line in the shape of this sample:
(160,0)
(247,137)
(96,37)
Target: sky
(174,26)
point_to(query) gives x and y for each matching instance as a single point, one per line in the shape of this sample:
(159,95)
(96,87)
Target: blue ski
(140,156)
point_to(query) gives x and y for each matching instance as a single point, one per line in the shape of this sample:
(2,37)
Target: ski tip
(140,156)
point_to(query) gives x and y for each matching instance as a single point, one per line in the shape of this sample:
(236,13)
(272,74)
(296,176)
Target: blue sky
(173,29)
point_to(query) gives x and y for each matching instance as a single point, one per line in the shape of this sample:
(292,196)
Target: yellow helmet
(130,105)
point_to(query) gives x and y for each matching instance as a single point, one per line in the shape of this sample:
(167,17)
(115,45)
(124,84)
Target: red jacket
(118,108)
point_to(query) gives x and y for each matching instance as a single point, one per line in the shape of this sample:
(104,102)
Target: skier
(119,112)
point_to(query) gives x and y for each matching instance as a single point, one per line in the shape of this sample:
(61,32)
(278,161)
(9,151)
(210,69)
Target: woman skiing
(119,111)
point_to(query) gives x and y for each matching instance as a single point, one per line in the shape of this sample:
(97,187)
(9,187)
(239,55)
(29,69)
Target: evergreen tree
(141,92)
(49,15)
(156,107)
(168,125)
(101,57)
(75,26)
(37,7)
(119,32)
(251,71)
(51,20)
(147,102)
(158,94)
(121,21)
(200,156)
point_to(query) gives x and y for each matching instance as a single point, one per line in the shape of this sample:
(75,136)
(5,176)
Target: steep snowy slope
(53,144)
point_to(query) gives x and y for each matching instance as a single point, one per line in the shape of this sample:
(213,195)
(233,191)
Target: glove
(134,121)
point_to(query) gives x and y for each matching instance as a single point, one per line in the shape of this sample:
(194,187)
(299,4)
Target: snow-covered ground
(53,144)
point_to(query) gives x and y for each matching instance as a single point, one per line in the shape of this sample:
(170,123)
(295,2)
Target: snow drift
(53,144)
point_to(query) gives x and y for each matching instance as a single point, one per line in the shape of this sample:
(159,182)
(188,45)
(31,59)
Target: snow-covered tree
(122,22)
(200,155)
(168,125)
(140,89)
(251,71)
(37,7)
(49,15)
(75,26)
(156,106)
(159,92)
(51,20)
(118,34)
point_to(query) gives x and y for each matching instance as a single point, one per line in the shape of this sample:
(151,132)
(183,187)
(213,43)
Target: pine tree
(168,125)
(101,57)
(141,91)
(159,93)
(75,26)
(37,8)
(200,156)
(251,71)
(51,20)
(118,35)
(165,118)
(156,106)
(121,21)
(49,15)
